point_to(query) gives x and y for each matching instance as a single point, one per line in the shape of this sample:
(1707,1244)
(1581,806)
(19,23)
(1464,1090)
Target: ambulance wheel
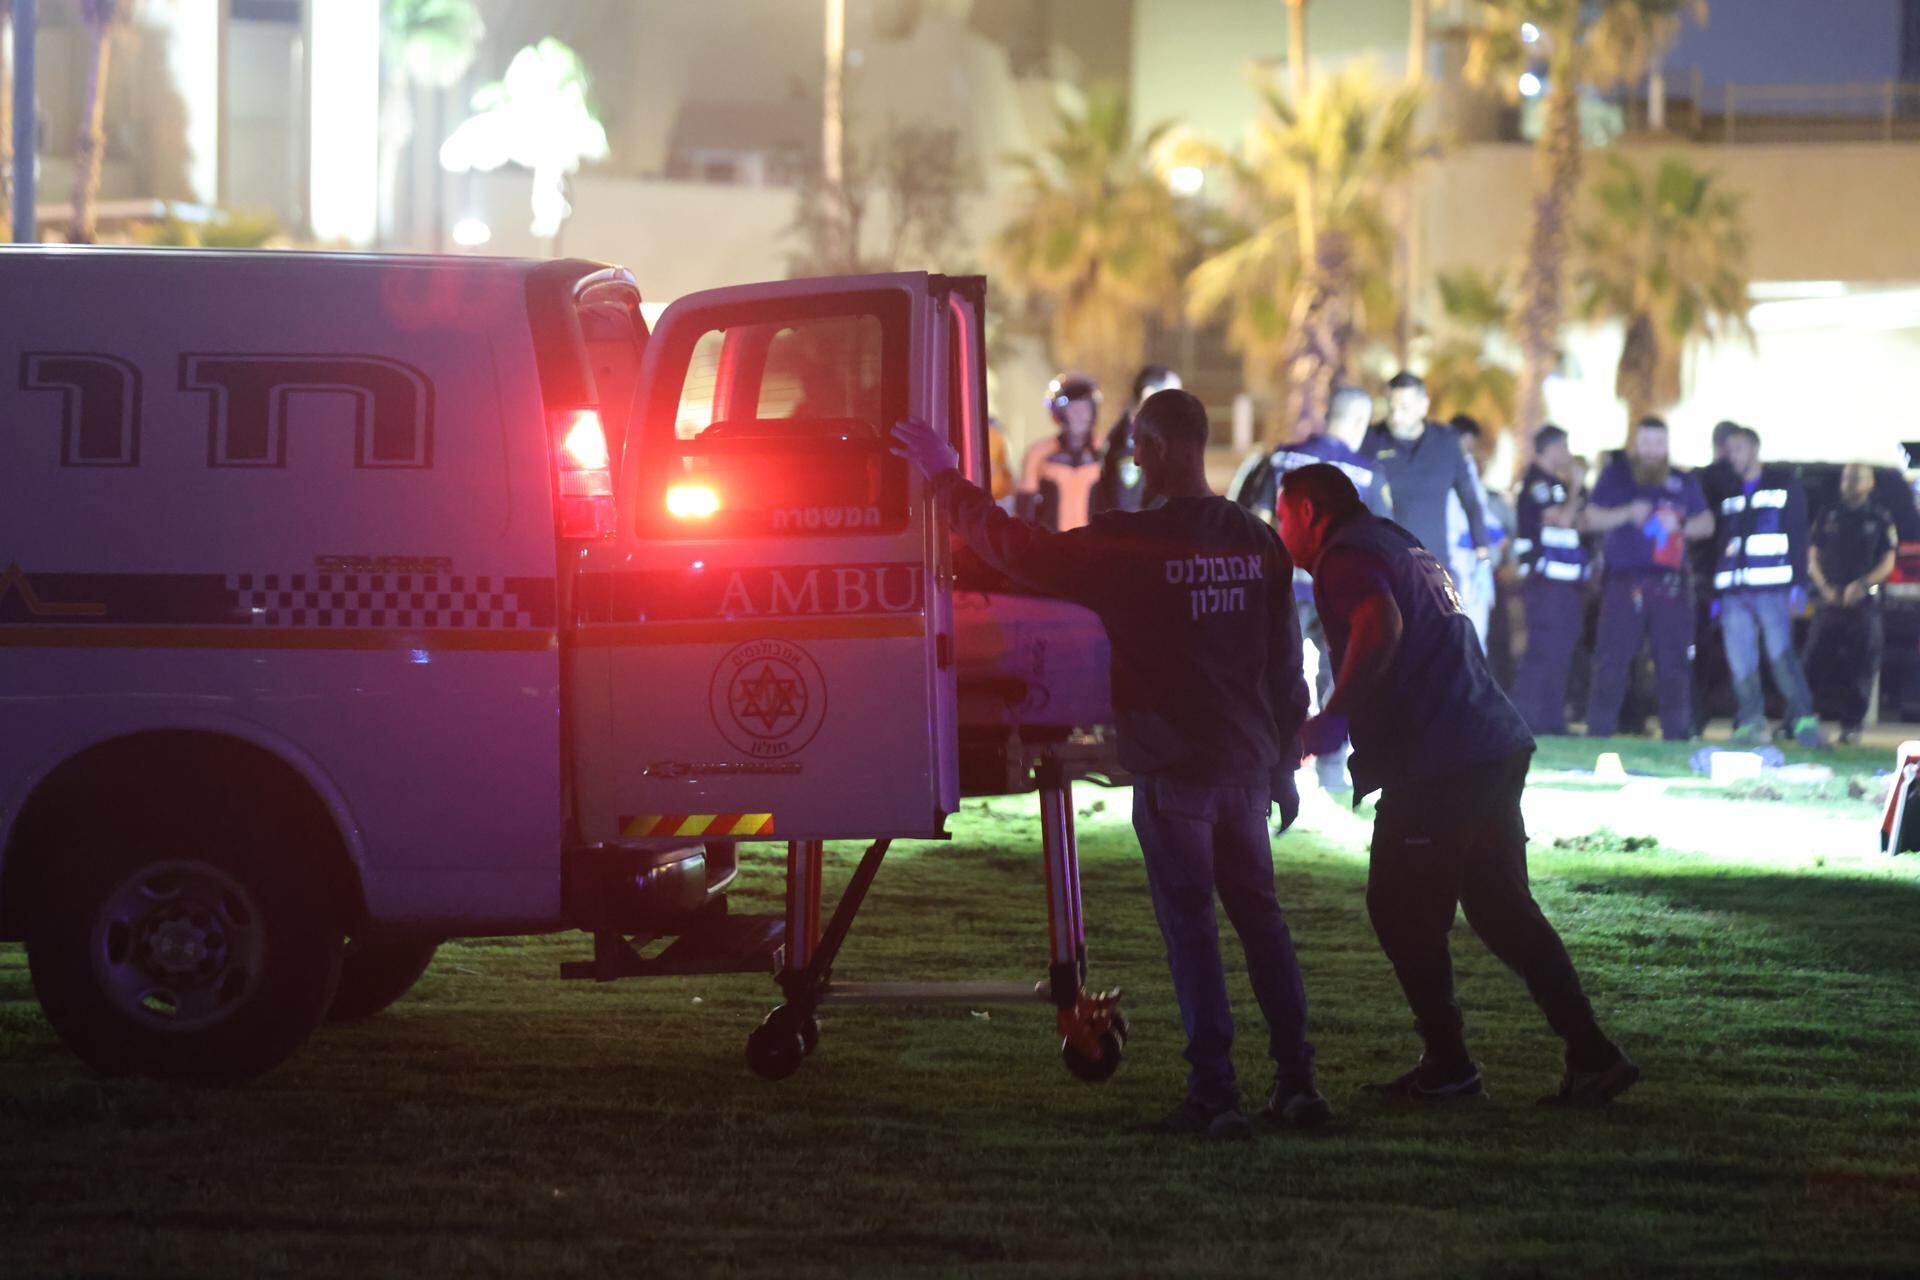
(178,945)
(1099,1068)
(377,970)
(775,1049)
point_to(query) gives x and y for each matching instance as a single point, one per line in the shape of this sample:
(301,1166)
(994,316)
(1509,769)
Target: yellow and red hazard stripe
(656,825)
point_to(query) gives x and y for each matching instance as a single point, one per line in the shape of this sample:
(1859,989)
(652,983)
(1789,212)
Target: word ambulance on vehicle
(350,604)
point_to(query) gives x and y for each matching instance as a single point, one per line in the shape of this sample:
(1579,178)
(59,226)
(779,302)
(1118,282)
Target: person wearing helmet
(1059,472)
(1120,485)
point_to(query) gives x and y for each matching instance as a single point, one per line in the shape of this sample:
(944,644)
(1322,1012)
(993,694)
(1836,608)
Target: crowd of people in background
(1581,571)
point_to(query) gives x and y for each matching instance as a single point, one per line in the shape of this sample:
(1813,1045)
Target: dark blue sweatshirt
(1196,597)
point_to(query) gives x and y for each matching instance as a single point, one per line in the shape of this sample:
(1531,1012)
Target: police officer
(1119,487)
(1257,488)
(1058,474)
(1208,700)
(1448,753)
(1762,533)
(1648,512)
(1852,551)
(1553,571)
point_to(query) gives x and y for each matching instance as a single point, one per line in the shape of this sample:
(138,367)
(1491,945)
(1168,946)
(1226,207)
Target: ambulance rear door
(771,627)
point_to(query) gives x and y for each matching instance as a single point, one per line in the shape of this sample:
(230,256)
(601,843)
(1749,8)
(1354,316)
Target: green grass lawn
(500,1121)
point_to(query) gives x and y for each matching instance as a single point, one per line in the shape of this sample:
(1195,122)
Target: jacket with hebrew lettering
(1197,601)
(1761,528)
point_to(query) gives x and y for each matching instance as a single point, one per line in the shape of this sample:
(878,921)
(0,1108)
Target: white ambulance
(348,604)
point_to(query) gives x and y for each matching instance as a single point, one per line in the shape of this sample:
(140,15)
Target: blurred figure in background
(1851,551)
(1257,487)
(1553,572)
(1649,512)
(1422,463)
(1475,571)
(1058,474)
(1119,487)
(999,463)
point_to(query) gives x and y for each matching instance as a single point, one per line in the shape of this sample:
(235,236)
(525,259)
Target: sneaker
(1806,732)
(1195,1119)
(1849,737)
(1429,1083)
(1748,735)
(1594,1088)
(1297,1108)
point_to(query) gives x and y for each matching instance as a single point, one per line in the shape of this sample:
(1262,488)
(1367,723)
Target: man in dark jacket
(1553,566)
(1120,487)
(1852,551)
(1762,537)
(1424,465)
(1196,597)
(1448,753)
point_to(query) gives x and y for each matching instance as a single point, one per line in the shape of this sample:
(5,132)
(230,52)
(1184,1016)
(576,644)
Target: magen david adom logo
(768,698)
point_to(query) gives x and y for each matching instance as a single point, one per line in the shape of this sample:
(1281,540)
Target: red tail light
(584,472)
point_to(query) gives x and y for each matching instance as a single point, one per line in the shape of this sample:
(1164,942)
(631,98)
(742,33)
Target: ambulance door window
(783,427)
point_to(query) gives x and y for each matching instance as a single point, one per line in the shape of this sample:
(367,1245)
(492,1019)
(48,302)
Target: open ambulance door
(764,650)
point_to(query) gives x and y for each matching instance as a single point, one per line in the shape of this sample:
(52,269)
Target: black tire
(1099,1069)
(184,946)
(774,1049)
(377,970)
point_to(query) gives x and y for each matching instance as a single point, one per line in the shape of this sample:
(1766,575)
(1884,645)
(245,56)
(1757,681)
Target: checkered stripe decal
(380,600)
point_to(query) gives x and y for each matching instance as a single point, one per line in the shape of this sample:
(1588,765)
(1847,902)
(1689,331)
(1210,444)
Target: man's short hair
(1722,430)
(1652,423)
(1326,487)
(1748,434)
(1547,437)
(1177,417)
(1150,375)
(1406,378)
(1346,395)
(1467,425)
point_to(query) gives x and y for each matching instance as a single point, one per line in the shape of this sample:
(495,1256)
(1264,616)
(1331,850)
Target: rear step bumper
(712,940)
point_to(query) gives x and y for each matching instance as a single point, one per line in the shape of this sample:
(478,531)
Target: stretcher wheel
(1099,1068)
(1121,1027)
(775,1049)
(804,1025)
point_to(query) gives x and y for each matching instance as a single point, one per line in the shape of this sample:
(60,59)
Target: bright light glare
(345,170)
(1529,32)
(585,444)
(1530,85)
(1186,180)
(692,501)
(471,233)
(1887,310)
(1787,290)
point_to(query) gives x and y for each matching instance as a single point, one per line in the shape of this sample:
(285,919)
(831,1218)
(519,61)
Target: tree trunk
(1318,334)
(90,147)
(6,123)
(1557,175)
(1297,51)
(833,110)
(1405,257)
(1634,379)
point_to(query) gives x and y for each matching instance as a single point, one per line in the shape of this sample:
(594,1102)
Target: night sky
(1786,41)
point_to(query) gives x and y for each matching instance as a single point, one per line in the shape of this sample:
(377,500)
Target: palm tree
(1464,373)
(539,116)
(1311,271)
(1096,235)
(102,18)
(425,44)
(1586,44)
(1667,258)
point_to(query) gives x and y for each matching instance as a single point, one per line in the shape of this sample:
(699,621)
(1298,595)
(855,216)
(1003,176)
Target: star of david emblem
(768,698)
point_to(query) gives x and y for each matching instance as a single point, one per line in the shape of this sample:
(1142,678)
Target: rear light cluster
(692,501)
(584,471)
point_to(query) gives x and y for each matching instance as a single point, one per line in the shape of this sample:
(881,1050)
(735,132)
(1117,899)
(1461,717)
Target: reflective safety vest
(1757,535)
(1543,551)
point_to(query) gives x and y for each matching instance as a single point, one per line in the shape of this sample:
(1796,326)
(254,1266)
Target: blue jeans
(1749,620)
(1199,839)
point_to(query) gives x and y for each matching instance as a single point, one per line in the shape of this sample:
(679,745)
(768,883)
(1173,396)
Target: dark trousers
(1844,647)
(1555,614)
(1657,609)
(1460,841)
(1199,840)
